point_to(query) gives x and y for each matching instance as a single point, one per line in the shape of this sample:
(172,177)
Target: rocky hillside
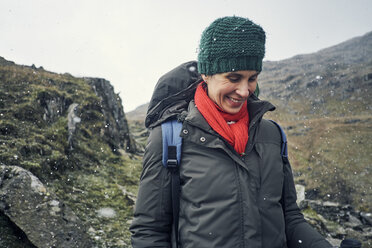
(323,101)
(66,174)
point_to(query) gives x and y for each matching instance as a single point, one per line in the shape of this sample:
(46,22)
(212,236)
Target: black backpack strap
(172,145)
(175,199)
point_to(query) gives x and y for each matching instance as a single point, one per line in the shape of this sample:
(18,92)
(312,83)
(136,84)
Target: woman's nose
(243,90)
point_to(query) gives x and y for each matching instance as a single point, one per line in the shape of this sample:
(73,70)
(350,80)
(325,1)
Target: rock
(72,120)
(130,196)
(317,222)
(106,212)
(37,212)
(335,230)
(53,103)
(366,218)
(11,235)
(303,205)
(331,210)
(353,222)
(368,77)
(352,121)
(312,84)
(367,232)
(116,126)
(300,189)
(333,241)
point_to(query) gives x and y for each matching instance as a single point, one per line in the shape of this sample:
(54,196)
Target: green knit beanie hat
(231,44)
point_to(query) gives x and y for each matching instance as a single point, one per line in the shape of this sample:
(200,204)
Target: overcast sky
(132,43)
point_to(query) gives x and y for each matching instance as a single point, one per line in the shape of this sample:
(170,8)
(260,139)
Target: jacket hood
(172,93)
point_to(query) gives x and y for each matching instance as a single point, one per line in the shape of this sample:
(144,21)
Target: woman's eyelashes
(235,78)
(252,79)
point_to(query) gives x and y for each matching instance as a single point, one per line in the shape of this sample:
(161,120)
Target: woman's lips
(235,102)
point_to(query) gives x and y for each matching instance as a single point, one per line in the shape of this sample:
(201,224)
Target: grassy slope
(87,178)
(330,139)
(331,156)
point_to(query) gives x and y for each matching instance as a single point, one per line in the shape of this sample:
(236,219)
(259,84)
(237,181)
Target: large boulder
(37,212)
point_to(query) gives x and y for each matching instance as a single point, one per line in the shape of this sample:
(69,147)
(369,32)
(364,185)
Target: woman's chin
(232,107)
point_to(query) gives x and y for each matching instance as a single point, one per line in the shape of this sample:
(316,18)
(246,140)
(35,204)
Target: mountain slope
(333,82)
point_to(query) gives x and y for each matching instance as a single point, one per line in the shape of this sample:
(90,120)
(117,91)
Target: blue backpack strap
(284,151)
(172,145)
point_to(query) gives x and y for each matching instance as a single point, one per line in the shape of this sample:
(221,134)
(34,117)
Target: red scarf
(237,133)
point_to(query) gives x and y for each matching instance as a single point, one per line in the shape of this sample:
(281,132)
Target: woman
(235,189)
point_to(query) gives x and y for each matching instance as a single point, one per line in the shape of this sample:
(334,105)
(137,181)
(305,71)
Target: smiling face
(231,89)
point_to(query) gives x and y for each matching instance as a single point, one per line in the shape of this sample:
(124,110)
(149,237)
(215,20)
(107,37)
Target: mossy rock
(11,235)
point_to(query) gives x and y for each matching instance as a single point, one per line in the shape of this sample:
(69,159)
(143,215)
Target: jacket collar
(194,121)
(257,108)
(195,118)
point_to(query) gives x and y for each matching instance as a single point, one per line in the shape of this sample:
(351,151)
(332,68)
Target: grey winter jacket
(227,200)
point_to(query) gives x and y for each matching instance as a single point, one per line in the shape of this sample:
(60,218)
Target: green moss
(99,187)
(34,168)
(28,112)
(57,134)
(309,212)
(8,128)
